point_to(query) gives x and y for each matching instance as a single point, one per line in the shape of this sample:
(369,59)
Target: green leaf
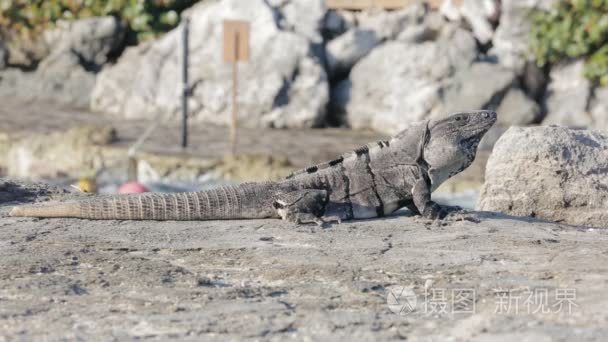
(146,18)
(573,29)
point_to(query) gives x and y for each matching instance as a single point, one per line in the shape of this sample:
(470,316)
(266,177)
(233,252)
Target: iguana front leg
(421,193)
(302,206)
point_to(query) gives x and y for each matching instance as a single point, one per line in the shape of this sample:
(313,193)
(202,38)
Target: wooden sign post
(236,49)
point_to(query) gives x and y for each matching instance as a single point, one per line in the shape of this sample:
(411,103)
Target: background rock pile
(312,67)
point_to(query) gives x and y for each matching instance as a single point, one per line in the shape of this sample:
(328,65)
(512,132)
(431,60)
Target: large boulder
(396,84)
(480,15)
(62,80)
(67,75)
(92,40)
(568,95)
(517,109)
(305,17)
(346,50)
(555,173)
(283,84)
(21,51)
(511,40)
(352,35)
(481,86)
(388,25)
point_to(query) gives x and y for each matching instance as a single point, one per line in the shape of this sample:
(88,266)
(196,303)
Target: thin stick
(235,86)
(185,89)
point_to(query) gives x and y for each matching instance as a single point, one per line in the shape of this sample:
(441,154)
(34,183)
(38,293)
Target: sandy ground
(269,280)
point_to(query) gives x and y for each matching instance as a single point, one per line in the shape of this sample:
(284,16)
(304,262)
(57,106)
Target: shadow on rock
(490,215)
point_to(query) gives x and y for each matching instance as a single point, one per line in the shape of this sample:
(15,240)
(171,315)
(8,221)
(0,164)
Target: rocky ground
(265,279)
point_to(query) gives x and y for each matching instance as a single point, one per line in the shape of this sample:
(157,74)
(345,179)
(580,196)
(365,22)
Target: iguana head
(452,143)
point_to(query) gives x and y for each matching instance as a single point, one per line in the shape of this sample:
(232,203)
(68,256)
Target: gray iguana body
(372,181)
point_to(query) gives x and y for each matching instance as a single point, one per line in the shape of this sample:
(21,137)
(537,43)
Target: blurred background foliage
(146,18)
(573,29)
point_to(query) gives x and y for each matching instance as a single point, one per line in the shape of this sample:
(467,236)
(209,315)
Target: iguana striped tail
(225,202)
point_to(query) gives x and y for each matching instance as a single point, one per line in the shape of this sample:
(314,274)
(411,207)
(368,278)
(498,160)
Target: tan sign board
(385,4)
(236,41)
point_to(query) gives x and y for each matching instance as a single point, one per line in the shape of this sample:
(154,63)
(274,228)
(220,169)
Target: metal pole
(235,86)
(185,87)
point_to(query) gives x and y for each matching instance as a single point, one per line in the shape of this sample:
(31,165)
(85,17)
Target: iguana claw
(434,212)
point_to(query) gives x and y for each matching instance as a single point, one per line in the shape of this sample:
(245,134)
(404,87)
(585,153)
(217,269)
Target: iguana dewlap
(372,181)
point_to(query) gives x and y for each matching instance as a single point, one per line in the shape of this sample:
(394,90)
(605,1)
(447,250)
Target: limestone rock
(60,79)
(243,279)
(91,39)
(477,87)
(459,46)
(389,24)
(511,38)
(568,95)
(450,10)
(555,173)
(479,15)
(599,108)
(305,17)
(396,85)
(517,109)
(24,52)
(346,50)
(429,28)
(392,86)
(283,84)
(67,74)
(277,3)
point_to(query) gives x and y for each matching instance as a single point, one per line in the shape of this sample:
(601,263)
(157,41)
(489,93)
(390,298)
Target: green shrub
(146,18)
(573,29)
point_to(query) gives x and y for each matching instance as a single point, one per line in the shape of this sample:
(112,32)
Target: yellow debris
(87,185)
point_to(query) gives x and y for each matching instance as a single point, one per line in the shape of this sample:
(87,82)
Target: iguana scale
(372,181)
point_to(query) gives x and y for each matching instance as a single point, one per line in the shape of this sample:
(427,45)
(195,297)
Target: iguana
(372,181)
